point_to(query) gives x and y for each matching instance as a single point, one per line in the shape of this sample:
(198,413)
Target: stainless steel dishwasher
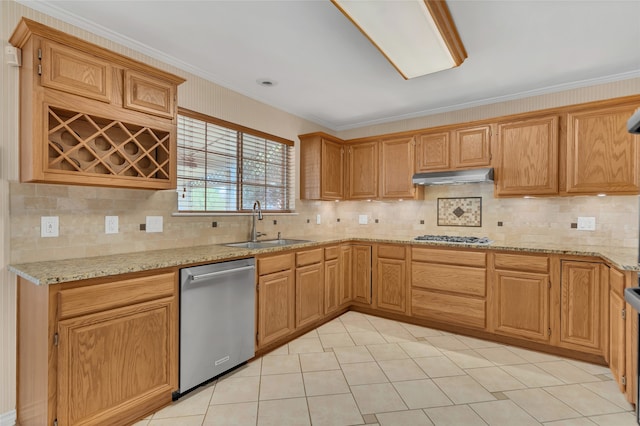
(217,320)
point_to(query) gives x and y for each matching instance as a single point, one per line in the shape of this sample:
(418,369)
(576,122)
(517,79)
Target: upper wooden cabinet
(362,166)
(527,157)
(432,152)
(602,156)
(396,168)
(322,167)
(471,147)
(89,116)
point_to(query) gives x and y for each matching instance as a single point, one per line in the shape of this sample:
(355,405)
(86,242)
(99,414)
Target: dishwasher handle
(217,273)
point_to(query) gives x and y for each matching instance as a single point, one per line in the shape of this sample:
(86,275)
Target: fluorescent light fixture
(417,37)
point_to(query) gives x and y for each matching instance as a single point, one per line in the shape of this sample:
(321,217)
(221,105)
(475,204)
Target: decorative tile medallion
(460,211)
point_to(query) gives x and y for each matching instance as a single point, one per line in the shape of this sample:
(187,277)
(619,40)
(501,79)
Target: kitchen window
(224,167)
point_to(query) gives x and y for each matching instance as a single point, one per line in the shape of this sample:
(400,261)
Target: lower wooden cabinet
(309,287)
(390,278)
(449,285)
(331,279)
(520,296)
(582,306)
(345,293)
(105,351)
(361,274)
(276,306)
(617,328)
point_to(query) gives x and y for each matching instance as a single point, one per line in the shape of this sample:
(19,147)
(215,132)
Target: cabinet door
(472,147)
(149,95)
(276,298)
(332,171)
(113,362)
(396,168)
(363,170)
(617,328)
(602,156)
(73,71)
(581,305)
(391,293)
(361,278)
(433,152)
(309,294)
(345,295)
(521,305)
(331,285)
(527,162)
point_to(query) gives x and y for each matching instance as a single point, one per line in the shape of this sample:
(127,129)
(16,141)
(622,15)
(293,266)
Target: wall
(82,210)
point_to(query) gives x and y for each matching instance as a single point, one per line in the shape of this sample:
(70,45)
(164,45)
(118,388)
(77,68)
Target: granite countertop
(60,271)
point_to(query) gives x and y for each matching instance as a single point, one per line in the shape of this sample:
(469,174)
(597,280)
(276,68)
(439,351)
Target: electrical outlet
(154,223)
(363,219)
(586,223)
(111,224)
(318,221)
(48,226)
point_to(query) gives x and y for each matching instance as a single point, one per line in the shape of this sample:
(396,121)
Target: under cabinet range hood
(454,177)
(633,125)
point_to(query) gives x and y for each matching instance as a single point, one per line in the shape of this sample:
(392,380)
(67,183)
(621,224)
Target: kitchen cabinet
(471,147)
(432,152)
(390,278)
(276,298)
(309,287)
(617,328)
(346,271)
(331,279)
(361,274)
(322,167)
(519,296)
(89,116)
(602,156)
(582,306)
(449,286)
(397,168)
(362,165)
(527,159)
(101,351)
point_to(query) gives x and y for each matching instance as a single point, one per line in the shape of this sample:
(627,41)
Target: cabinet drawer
(309,257)
(271,264)
(454,279)
(331,253)
(521,262)
(448,308)
(100,297)
(451,257)
(391,252)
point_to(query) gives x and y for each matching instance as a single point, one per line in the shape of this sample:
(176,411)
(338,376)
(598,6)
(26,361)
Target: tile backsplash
(81,212)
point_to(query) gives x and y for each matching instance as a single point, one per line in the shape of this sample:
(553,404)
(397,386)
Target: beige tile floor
(359,369)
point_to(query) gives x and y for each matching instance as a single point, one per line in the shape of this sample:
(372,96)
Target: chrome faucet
(254,234)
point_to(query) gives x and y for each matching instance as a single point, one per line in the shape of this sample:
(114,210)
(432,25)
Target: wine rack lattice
(87,143)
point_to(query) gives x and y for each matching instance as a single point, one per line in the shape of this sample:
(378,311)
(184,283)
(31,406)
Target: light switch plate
(318,221)
(363,219)
(49,226)
(111,224)
(586,223)
(154,224)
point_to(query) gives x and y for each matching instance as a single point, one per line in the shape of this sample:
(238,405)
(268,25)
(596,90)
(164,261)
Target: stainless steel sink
(266,243)
(284,242)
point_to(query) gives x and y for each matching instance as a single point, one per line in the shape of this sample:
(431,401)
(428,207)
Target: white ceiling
(327,72)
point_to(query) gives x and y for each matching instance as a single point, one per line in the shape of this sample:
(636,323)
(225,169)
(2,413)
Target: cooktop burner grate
(454,239)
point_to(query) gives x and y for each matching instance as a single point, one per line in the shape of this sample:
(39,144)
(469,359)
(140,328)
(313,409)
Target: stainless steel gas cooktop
(454,239)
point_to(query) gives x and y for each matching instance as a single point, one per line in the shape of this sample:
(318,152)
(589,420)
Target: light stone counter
(60,271)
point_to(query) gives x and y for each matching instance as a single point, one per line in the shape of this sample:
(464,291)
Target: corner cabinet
(527,160)
(101,351)
(602,156)
(89,116)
